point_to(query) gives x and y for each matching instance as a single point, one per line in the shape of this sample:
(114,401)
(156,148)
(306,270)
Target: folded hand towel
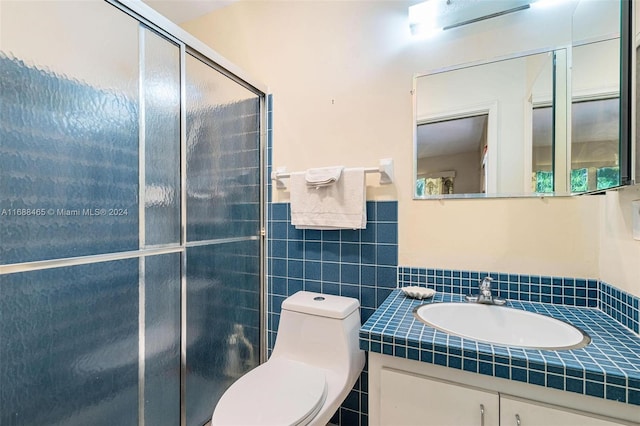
(323,176)
(338,206)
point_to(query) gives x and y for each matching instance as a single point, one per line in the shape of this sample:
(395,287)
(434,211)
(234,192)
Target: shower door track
(85,260)
(221,241)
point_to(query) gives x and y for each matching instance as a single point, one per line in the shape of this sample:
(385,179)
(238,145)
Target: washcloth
(341,205)
(323,176)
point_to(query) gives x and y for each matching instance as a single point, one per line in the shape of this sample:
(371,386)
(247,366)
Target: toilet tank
(322,305)
(321,330)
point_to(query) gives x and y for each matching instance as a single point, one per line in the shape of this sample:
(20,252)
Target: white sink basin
(500,325)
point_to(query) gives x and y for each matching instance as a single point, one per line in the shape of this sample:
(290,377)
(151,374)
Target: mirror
(538,123)
(595,117)
(460,136)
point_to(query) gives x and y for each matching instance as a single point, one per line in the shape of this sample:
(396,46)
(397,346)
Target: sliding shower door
(223,228)
(130,217)
(159,283)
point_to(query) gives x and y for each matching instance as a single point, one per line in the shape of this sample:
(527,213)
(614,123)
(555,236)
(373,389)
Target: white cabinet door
(409,400)
(520,412)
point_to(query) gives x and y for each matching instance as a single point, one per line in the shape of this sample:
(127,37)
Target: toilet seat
(281,392)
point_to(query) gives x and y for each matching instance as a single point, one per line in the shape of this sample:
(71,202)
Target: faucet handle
(486,283)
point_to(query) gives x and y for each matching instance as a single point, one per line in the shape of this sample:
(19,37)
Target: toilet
(315,362)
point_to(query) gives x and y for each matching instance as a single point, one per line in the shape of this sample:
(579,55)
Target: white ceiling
(180,11)
(451,137)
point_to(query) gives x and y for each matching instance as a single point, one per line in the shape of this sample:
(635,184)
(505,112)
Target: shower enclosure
(130,218)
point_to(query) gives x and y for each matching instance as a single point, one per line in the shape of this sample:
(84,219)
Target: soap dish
(418,292)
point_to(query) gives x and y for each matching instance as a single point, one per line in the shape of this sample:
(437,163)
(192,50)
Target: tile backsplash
(621,306)
(530,288)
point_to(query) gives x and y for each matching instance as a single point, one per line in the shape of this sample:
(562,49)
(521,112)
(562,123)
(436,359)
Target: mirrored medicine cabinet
(548,122)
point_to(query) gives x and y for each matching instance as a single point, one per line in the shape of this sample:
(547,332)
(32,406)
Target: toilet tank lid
(324,305)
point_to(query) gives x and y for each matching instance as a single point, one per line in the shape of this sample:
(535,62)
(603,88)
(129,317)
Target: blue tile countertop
(609,367)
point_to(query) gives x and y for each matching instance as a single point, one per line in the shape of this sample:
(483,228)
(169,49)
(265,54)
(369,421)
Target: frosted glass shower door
(160,201)
(69,122)
(223,243)
(130,219)
(160,147)
(90,245)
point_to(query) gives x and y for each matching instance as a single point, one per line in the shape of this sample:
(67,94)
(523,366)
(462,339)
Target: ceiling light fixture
(432,16)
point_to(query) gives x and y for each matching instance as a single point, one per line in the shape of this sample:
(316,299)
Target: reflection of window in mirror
(595,144)
(542,155)
(451,156)
(595,116)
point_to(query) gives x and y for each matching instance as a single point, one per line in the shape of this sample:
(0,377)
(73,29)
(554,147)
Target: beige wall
(341,74)
(619,252)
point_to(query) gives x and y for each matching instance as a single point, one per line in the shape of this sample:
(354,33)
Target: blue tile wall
(529,288)
(621,306)
(354,263)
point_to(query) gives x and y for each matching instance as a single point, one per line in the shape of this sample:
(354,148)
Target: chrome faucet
(485,291)
(485,296)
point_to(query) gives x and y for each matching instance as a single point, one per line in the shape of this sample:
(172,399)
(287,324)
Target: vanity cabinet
(409,399)
(404,392)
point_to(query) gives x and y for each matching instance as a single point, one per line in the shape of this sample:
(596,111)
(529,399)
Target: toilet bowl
(316,360)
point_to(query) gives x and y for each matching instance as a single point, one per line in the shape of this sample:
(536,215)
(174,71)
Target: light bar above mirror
(437,15)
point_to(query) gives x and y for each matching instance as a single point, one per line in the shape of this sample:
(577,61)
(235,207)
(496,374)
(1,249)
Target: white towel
(323,176)
(338,206)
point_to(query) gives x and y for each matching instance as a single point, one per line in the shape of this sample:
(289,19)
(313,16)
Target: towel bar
(385,168)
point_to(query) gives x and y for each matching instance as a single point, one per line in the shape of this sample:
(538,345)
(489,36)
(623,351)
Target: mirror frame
(626,108)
